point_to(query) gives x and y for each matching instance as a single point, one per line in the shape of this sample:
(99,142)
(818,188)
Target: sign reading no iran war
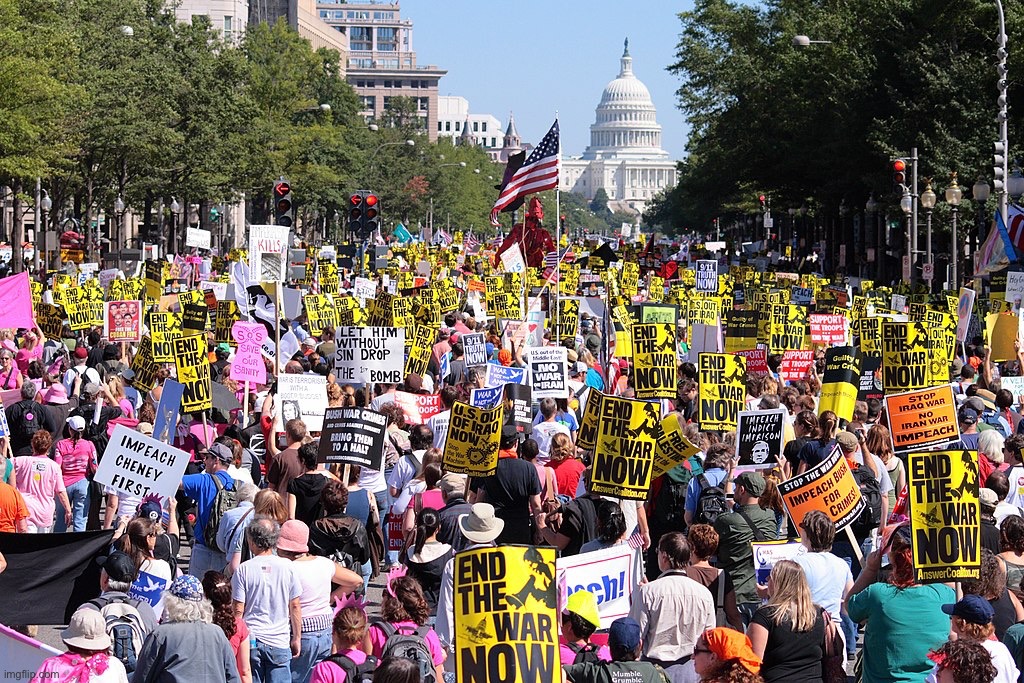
(548,372)
(374,355)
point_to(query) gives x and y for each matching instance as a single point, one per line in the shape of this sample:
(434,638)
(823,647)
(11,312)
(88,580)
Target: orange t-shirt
(12,508)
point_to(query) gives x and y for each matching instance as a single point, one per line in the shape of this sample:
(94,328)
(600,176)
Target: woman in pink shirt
(29,352)
(404,609)
(10,375)
(351,643)
(41,484)
(77,459)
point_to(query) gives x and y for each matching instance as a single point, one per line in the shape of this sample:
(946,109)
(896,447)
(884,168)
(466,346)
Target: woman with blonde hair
(116,386)
(568,468)
(878,443)
(270,504)
(788,632)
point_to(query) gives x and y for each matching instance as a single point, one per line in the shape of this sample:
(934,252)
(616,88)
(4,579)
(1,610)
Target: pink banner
(827,329)
(795,365)
(248,365)
(16,295)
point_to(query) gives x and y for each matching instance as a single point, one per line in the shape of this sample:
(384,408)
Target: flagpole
(558,221)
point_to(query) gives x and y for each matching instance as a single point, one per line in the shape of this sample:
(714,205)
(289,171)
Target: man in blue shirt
(202,489)
(717,462)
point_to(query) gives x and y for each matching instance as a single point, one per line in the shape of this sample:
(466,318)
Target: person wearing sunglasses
(898,611)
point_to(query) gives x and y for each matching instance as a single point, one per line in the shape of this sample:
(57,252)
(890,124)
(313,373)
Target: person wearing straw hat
(481,527)
(88,659)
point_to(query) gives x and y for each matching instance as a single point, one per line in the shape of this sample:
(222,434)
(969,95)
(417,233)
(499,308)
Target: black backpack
(871,494)
(670,505)
(711,503)
(94,433)
(408,645)
(355,673)
(584,653)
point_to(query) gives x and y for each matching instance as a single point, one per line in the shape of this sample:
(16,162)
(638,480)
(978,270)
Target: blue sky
(534,57)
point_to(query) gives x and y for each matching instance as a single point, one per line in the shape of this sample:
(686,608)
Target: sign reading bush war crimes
(840,381)
(506,615)
(194,372)
(654,361)
(374,355)
(944,515)
(353,436)
(759,437)
(627,434)
(722,389)
(548,372)
(139,465)
(829,487)
(473,438)
(919,419)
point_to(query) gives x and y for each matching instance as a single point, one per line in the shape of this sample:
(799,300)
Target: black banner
(353,436)
(518,409)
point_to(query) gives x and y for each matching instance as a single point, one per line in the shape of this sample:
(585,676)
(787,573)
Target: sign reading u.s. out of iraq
(353,436)
(924,418)
(374,355)
(829,487)
(139,465)
(944,515)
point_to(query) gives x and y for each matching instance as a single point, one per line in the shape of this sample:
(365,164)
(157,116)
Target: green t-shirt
(735,554)
(615,672)
(902,626)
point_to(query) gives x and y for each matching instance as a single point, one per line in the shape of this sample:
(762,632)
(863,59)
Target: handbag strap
(758,534)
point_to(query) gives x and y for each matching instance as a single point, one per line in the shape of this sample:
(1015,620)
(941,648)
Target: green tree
(599,204)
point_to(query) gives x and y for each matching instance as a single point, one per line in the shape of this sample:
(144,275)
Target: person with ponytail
(817,449)
(217,588)
(427,557)
(898,611)
(805,429)
(152,576)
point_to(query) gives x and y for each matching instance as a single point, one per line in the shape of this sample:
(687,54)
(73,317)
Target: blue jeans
(270,664)
(316,647)
(843,550)
(203,559)
(78,496)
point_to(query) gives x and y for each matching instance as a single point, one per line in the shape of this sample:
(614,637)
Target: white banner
(268,247)
(369,354)
(301,396)
(609,574)
(549,371)
(512,260)
(197,237)
(139,465)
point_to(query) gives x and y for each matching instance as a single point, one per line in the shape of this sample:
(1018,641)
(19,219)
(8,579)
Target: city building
(625,155)
(382,61)
(455,121)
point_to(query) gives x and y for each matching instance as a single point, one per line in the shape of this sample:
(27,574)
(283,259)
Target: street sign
(906,267)
(928,271)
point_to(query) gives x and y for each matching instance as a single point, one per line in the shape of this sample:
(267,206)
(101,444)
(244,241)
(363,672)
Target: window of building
(457,126)
(407,61)
(338,14)
(324,14)
(387,84)
(424,103)
(370,84)
(483,126)
(227,26)
(493,142)
(358,14)
(384,16)
(387,101)
(387,39)
(368,102)
(476,126)
(360,84)
(440,127)
(389,64)
(447,126)
(361,38)
(414,84)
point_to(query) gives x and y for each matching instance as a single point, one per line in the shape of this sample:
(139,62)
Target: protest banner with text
(922,419)
(840,381)
(759,436)
(828,487)
(353,436)
(194,372)
(624,455)
(374,355)
(721,389)
(139,465)
(473,438)
(549,372)
(654,361)
(610,574)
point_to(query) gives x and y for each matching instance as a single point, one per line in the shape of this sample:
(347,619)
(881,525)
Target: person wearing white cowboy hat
(480,527)
(88,658)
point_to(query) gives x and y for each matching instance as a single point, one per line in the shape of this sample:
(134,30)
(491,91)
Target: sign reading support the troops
(839,383)
(827,329)
(624,457)
(194,372)
(759,437)
(924,418)
(548,372)
(654,361)
(796,365)
(353,436)
(139,465)
(474,349)
(945,517)
(474,435)
(505,604)
(829,487)
(374,355)
(707,276)
(721,389)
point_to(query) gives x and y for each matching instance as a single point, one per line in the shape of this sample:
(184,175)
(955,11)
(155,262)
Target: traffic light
(999,167)
(284,208)
(363,212)
(764,202)
(899,172)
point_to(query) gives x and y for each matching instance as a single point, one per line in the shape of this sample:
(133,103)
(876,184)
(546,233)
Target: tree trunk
(17,231)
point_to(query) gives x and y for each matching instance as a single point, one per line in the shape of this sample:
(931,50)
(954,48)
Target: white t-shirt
(542,433)
(405,470)
(315,578)
(372,480)
(1002,660)
(1016,477)
(439,426)
(149,586)
(88,375)
(827,577)
(266,585)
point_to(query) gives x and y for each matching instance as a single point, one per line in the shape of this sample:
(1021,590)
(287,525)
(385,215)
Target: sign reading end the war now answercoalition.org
(945,516)
(627,434)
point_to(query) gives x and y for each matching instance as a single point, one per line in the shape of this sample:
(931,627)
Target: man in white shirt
(80,369)
(1015,474)
(544,431)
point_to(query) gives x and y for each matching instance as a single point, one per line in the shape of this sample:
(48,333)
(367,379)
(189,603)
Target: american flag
(538,173)
(498,241)
(636,540)
(442,238)
(552,258)
(471,243)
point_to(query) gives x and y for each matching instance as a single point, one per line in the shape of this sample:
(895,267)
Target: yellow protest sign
(945,515)
(568,319)
(654,361)
(193,367)
(473,438)
(320,312)
(703,310)
(905,356)
(227,315)
(741,331)
(164,327)
(505,612)
(672,447)
(144,366)
(721,389)
(840,381)
(788,328)
(624,456)
(419,353)
(586,437)
(330,281)
(504,296)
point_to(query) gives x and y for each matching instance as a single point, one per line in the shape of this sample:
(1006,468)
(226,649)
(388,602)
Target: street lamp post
(1003,115)
(175,209)
(953,196)
(928,203)
(907,207)
(410,143)
(45,204)
(980,192)
(119,210)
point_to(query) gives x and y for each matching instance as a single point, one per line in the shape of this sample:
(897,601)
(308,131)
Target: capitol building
(625,155)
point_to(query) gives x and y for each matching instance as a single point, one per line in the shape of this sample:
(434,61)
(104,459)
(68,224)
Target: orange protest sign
(923,418)
(829,487)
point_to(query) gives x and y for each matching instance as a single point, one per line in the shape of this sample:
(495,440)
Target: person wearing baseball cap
(624,646)
(971,619)
(968,418)
(580,619)
(77,459)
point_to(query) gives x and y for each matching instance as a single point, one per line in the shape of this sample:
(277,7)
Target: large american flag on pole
(538,173)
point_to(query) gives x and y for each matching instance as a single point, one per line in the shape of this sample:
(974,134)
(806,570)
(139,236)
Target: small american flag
(538,173)
(471,243)
(553,258)
(636,540)
(442,238)
(497,241)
